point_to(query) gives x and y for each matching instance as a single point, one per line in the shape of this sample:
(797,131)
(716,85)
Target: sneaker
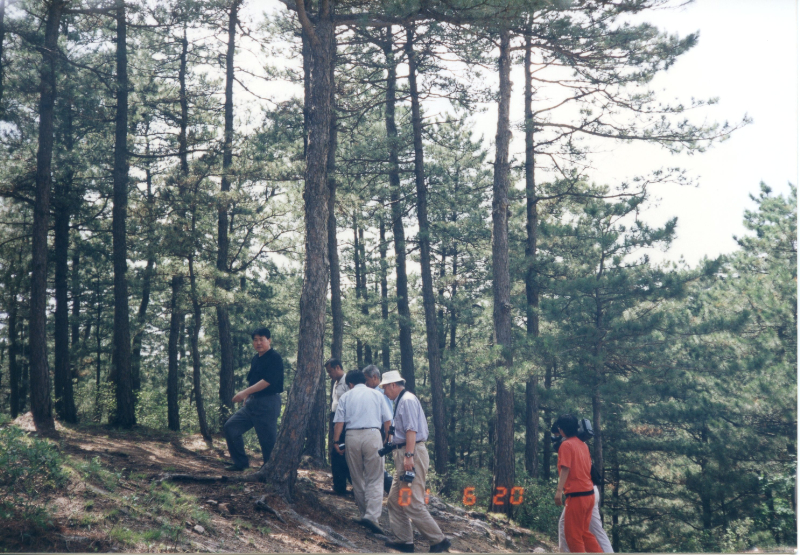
(401,546)
(235,468)
(441,547)
(371,525)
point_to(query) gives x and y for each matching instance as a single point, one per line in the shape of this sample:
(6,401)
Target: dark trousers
(339,468)
(260,413)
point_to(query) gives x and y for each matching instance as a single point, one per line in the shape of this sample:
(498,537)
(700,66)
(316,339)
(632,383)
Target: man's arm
(337,433)
(562,479)
(411,443)
(255,388)
(386,428)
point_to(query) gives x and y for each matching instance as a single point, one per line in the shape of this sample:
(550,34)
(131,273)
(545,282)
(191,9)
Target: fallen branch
(262,505)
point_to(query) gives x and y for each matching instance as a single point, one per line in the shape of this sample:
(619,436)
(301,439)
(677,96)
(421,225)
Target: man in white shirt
(364,411)
(339,468)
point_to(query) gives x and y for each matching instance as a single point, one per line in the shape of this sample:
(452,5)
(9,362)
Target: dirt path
(115,501)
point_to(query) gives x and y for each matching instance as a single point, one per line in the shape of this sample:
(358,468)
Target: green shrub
(29,467)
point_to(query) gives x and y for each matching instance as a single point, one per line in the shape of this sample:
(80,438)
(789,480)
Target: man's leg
(265,412)
(373,477)
(398,521)
(355,463)
(234,428)
(416,509)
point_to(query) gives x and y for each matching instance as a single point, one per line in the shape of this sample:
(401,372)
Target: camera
(389,447)
(408,477)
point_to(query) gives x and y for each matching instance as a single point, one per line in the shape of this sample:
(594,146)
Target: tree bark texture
(385,345)
(531,285)
(281,469)
(226,385)
(337,316)
(501,285)
(175,319)
(64,398)
(424,241)
(547,451)
(41,403)
(318,428)
(195,341)
(13,347)
(125,415)
(401,282)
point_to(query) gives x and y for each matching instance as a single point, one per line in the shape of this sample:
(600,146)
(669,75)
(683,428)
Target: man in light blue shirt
(363,411)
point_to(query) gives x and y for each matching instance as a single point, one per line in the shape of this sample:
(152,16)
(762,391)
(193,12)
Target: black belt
(579,494)
(399,445)
(363,429)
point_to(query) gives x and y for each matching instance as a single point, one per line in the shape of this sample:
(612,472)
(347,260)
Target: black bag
(596,478)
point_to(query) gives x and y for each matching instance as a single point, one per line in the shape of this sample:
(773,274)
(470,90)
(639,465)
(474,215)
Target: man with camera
(339,471)
(575,485)
(364,412)
(407,496)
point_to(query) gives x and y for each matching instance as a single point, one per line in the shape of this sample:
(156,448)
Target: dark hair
(371,371)
(333,363)
(263,332)
(568,424)
(355,377)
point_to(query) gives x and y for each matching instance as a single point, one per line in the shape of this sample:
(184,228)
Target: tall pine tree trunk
(337,316)
(424,241)
(176,316)
(281,469)
(385,347)
(531,287)
(226,385)
(318,428)
(13,346)
(64,398)
(195,340)
(547,452)
(597,403)
(501,287)
(401,282)
(125,415)
(176,322)
(357,271)
(41,404)
(147,280)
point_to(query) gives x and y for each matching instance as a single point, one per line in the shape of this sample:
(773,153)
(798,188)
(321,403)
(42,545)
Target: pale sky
(747,56)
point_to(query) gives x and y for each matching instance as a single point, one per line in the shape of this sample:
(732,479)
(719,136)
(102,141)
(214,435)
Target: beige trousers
(366,471)
(407,508)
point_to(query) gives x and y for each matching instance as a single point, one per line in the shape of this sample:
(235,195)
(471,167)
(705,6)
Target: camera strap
(397,403)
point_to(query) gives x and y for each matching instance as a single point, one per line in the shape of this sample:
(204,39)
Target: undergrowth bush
(29,467)
(472,490)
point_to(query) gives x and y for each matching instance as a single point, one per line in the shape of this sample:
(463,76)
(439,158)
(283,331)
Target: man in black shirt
(262,403)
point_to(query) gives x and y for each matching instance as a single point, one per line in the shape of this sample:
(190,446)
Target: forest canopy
(176,174)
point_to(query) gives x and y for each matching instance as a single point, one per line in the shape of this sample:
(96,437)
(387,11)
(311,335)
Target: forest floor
(115,499)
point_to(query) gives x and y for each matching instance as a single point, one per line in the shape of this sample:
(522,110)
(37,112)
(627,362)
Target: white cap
(392,376)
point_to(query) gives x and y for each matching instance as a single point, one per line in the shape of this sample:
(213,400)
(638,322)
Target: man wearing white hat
(407,500)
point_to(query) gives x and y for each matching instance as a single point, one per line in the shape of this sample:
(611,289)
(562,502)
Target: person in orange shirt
(575,489)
